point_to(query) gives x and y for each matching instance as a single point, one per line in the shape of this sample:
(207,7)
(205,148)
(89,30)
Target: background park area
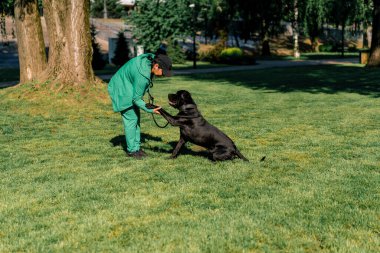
(66,184)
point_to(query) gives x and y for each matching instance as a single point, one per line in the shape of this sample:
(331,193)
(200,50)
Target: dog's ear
(185,95)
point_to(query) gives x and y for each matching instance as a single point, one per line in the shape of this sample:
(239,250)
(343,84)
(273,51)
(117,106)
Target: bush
(231,54)
(204,52)
(235,56)
(98,61)
(212,53)
(121,51)
(326,48)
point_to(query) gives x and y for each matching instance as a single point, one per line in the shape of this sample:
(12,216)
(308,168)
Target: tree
(374,59)
(343,14)
(293,13)
(263,17)
(31,47)
(363,17)
(175,52)
(121,51)
(314,18)
(6,8)
(70,51)
(113,7)
(295,27)
(98,61)
(156,21)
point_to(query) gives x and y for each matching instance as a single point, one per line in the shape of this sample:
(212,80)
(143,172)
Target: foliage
(114,9)
(155,22)
(328,47)
(231,53)
(6,8)
(263,17)
(219,47)
(175,52)
(98,61)
(67,186)
(121,50)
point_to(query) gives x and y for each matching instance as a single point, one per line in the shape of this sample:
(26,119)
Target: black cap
(165,64)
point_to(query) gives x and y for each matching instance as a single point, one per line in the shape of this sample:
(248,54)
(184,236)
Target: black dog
(194,128)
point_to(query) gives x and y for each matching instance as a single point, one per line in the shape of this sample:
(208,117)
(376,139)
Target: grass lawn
(66,184)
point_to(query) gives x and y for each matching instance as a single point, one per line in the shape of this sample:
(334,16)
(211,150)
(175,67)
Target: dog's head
(180,98)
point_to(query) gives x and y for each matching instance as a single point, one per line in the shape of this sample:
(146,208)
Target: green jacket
(128,86)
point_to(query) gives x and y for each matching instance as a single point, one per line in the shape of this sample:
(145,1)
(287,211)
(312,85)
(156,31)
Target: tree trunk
(30,41)
(296,51)
(365,36)
(105,12)
(374,59)
(70,51)
(342,42)
(265,47)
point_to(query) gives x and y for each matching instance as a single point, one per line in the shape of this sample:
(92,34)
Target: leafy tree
(121,50)
(113,7)
(98,61)
(156,21)
(314,18)
(342,13)
(363,17)
(263,17)
(6,9)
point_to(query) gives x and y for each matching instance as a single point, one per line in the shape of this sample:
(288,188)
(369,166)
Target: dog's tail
(237,152)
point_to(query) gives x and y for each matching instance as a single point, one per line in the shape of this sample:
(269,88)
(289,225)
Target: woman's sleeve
(138,95)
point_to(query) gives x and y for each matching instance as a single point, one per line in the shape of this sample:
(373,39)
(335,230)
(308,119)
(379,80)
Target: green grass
(67,186)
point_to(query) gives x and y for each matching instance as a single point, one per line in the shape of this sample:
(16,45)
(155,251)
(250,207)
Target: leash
(151,101)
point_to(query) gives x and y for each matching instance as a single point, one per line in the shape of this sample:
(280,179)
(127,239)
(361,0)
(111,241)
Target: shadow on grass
(184,150)
(314,79)
(120,141)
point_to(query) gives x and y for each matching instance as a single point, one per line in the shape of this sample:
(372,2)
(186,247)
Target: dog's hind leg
(178,147)
(222,155)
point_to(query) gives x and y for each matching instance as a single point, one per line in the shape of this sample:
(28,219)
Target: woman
(127,88)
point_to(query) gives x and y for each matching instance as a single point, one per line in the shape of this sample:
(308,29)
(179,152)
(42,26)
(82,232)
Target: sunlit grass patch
(67,185)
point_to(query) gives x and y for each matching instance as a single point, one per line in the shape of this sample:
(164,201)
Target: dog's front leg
(171,119)
(178,147)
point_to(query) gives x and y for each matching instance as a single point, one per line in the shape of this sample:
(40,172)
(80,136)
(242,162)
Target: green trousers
(131,122)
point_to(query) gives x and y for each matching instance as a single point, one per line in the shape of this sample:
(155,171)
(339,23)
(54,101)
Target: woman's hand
(156,110)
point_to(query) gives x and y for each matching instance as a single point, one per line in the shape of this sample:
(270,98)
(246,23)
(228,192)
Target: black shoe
(142,153)
(136,155)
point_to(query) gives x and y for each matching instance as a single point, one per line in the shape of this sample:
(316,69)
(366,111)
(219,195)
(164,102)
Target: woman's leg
(131,129)
(138,130)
